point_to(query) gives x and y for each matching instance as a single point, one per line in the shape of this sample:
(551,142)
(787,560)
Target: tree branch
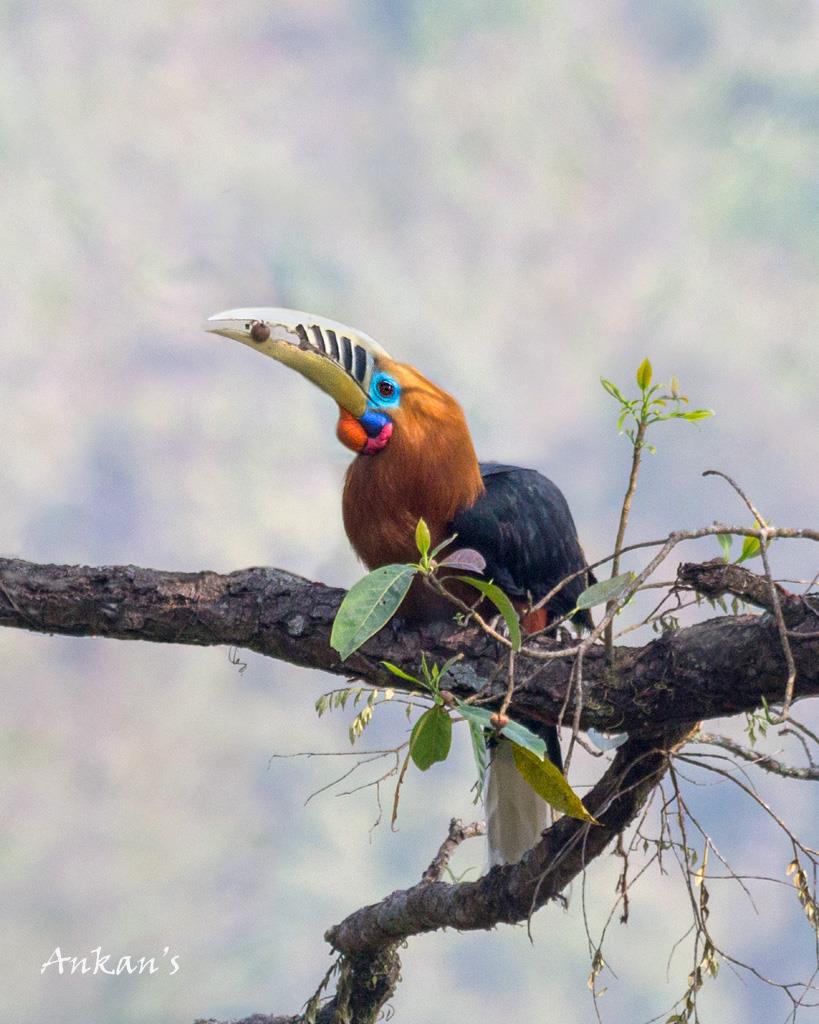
(718,667)
(367,940)
(655,692)
(511,893)
(808,773)
(715,578)
(458,833)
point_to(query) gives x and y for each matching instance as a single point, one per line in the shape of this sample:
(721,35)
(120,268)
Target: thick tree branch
(716,578)
(718,667)
(511,893)
(368,938)
(655,692)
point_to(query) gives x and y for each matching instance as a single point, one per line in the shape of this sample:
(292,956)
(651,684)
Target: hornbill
(414,458)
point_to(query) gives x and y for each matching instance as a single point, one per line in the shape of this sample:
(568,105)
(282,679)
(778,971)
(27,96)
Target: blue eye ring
(385,390)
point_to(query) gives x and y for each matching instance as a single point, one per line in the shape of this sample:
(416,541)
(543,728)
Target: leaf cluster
(654,404)
(431,740)
(371,602)
(375,599)
(751,547)
(336,699)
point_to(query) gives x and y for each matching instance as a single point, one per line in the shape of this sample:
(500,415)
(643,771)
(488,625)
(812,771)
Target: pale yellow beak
(338,359)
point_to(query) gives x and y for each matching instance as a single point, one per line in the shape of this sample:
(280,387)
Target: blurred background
(517,198)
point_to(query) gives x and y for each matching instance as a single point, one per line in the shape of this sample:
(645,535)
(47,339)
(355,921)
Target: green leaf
(507,610)
(524,738)
(447,665)
(549,782)
(423,538)
(613,390)
(480,752)
(396,671)
(479,717)
(604,591)
(725,542)
(431,738)
(644,374)
(444,544)
(368,605)
(696,414)
(750,549)
(429,681)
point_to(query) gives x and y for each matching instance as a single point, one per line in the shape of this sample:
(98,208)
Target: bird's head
(377,396)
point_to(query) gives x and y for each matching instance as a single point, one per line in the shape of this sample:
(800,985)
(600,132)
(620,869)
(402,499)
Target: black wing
(523,528)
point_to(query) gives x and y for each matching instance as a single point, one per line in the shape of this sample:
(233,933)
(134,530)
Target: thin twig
(774,593)
(577,675)
(740,531)
(765,761)
(625,511)
(510,687)
(667,546)
(458,832)
(811,854)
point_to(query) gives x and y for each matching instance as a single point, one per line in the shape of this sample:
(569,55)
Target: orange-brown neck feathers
(429,469)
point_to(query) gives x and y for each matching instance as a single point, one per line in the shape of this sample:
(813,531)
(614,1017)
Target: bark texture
(656,693)
(718,667)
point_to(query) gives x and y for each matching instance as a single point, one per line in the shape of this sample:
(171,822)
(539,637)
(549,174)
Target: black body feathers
(523,528)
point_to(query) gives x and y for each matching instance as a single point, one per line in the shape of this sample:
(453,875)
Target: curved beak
(338,359)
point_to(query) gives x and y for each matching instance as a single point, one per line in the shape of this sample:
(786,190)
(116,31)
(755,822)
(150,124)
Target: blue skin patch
(385,393)
(373,422)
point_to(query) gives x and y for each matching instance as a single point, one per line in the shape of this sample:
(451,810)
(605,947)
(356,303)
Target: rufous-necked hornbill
(414,458)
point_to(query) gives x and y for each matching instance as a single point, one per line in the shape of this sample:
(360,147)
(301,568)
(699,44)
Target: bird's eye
(386,388)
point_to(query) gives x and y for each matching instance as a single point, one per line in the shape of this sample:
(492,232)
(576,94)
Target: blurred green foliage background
(517,198)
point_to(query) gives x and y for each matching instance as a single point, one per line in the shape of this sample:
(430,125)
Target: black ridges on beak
(351,356)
